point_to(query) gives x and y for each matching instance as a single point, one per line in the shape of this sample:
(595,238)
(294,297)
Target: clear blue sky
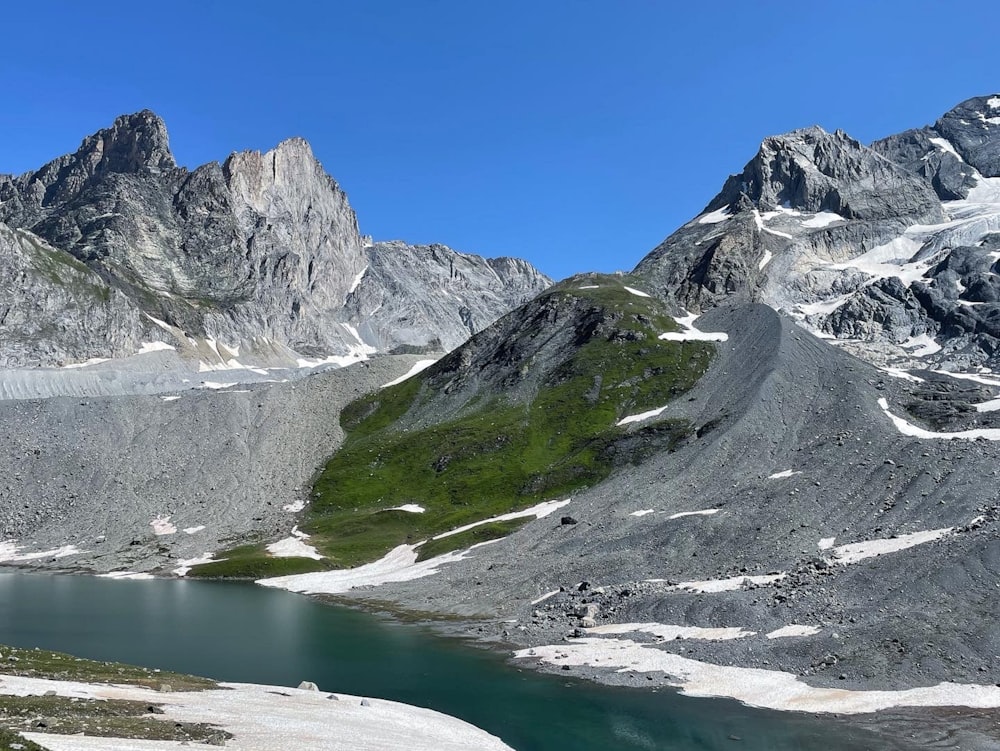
(576,134)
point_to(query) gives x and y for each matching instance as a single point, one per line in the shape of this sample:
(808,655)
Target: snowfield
(265,718)
(769,689)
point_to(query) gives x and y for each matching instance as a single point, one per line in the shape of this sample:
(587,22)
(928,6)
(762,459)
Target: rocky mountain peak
(265,245)
(973,128)
(815,171)
(135,143)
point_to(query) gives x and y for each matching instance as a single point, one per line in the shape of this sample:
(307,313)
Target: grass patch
(59,267)
(254,562)
(474,536)
(11,740)
(595,358)
(107,718)
(41,663)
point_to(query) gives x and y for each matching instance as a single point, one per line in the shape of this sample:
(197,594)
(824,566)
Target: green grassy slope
(524,412)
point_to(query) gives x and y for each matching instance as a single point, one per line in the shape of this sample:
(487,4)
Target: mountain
(891,248)
(679,476)
(262,249)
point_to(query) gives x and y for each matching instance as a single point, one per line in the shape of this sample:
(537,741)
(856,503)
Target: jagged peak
(134,143)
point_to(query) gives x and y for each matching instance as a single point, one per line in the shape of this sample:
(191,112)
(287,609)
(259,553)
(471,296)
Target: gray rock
(259,252)
(973,127)
(308,686)
(812,170)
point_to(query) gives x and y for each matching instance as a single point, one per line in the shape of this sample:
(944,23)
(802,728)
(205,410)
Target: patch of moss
(497,455)
(254,562)
(106,718)
(11,740)
(63,269)
(41,663)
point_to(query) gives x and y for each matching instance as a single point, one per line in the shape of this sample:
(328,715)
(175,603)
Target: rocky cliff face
(262,248)
(52,307)
(460,295)
(892,248)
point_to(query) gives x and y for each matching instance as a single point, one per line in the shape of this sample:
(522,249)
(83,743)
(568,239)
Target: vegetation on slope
(526,411)
(500,454)
(111,718)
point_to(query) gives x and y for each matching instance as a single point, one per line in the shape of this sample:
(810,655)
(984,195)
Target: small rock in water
(365,703)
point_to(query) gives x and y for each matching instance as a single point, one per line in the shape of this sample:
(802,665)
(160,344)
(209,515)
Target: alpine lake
(246,633)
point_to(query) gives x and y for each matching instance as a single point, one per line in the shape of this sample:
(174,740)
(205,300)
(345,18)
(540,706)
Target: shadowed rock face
(263,245)
(894,247)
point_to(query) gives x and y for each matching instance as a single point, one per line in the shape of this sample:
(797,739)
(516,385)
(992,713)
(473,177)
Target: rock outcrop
(893,248)
(263,247)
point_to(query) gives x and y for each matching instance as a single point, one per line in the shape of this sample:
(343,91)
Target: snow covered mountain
(891,250)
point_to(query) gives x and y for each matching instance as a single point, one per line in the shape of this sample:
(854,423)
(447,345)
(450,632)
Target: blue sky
(576,134)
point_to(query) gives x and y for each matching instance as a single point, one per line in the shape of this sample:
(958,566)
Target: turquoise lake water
(240,632)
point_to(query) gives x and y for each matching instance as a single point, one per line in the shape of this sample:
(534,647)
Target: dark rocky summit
(262,248)
(892,248)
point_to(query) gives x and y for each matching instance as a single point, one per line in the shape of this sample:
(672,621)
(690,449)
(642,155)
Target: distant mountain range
(258,260)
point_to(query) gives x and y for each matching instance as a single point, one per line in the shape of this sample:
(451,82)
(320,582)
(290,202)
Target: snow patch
(826,543)
(703,512)
(783,474)
(690,333)
(759,221)
(922,345)
(263,718)
(398,565)
(357,280)
(546,596)
(823,219)
(793,630)
(636,292)
(294,507)
(170,398)
(186,564)
(945,146)
(411,508)
(294,546)
(668,632)
(86,363)
(10,551)
(193,530)
(902,374)
(161,526)
(990,406)
(126,575)
(768,255)
(643,512)
(539,511)
(769,689)
(217,385)
(711,586)
(907,428)
(970,377)
(719,215)
(418,366)
(641,416)
(156,346)
(859,551)
(993,102)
